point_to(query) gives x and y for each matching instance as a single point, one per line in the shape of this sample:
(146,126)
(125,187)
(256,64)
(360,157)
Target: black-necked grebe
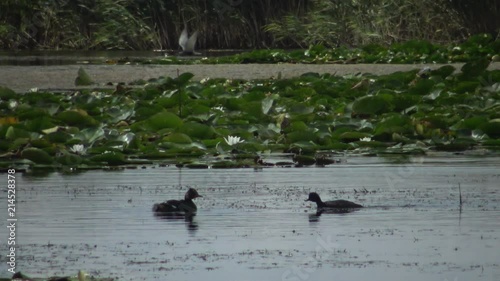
(336,204)
(179,206)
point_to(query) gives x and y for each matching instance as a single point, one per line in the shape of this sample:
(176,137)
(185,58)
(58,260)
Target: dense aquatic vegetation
(228,123)
(414,51)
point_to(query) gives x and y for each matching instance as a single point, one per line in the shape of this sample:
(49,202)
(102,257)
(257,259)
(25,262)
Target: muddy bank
(23,78)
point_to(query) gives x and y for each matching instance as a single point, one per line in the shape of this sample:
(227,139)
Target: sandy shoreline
(23,78)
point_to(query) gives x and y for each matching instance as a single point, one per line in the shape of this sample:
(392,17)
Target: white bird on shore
(187,43)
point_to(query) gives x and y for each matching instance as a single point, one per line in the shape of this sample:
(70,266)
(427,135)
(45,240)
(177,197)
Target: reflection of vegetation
(128,24)
(81,276)
(401,113)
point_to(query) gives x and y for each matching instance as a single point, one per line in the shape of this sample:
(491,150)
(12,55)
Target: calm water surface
(254,224)
(50,57)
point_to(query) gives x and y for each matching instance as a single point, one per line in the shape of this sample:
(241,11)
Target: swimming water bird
(336,204)
(179,206)
(187,43)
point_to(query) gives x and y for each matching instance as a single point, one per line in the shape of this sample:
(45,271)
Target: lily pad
(69,159)
(13,133)
(110,158)
(37,155)
(58,137)
(443,71)
(179,138)
(267,104)
(301,135)
(196,166)
(83,79)
(475,68)
(7,93)
(304,160)
(78,118)
(197,130)
(163,120)
(492,128)
(353,136)
(370,105)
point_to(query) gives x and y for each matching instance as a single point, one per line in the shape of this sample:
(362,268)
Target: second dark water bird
(186,206)
(332,205)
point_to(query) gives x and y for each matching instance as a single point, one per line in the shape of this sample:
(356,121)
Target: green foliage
(475,68)
(412,51)
(197,130)
(83,79)
(110,158)
(178,138)
(386,114)
(6,93)
(146,25)
(36,155)
(334,23)
(491,128)
(78,118)
(163,120)
(370,105)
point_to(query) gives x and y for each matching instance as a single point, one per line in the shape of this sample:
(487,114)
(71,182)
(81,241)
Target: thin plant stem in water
(460,196)
(180,96)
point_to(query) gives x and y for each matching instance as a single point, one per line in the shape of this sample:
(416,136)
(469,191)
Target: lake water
(254,224)
(70,57)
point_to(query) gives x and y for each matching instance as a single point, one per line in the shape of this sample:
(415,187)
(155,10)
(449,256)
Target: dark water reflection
(189,219)
(45,57)
(255,225)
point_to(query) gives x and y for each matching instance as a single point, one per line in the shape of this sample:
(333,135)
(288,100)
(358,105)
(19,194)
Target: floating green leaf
(197,130)
(15,133)
(492,128)
(353,136)
(58,137)
(78,118)
(37,155)
(370,105)
(178,138)
(267,103)
(6,93)
(69,159)
(301,135)
(83,79)
(475,68)
(110,158)
(304,160)
(90,135)
(163,120)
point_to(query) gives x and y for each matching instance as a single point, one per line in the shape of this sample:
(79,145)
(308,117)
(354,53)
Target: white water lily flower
(219,108)
(477,135)
(12,104)
(232,140)
(366,139)
(78,149)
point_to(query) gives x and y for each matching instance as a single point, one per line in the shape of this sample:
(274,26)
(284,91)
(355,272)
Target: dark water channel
(47,57)
(254,224)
